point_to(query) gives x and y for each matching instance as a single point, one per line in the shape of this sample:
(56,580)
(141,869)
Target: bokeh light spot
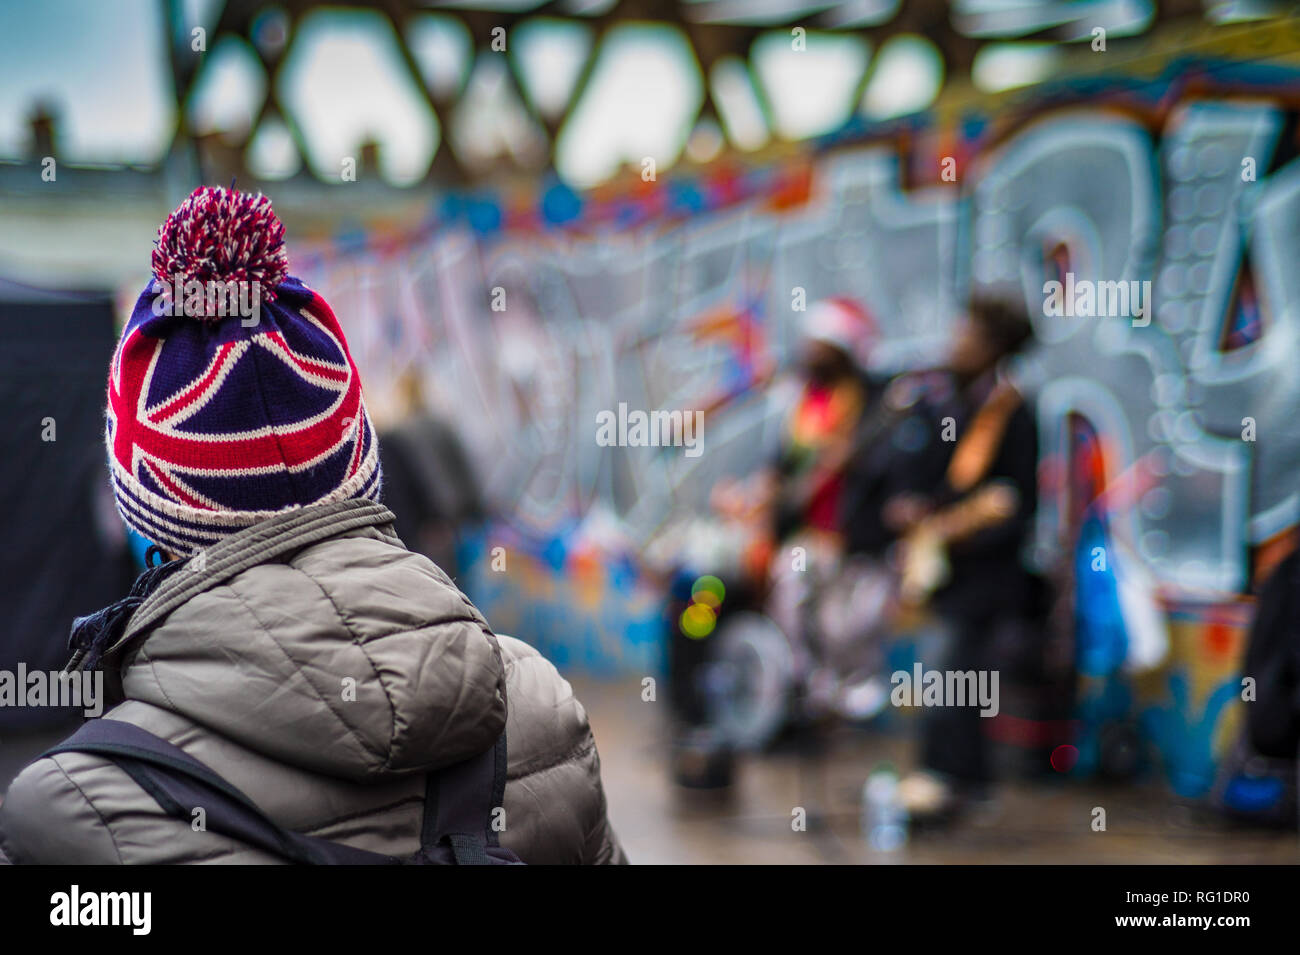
(1064,757)
(698,621)
(708,590)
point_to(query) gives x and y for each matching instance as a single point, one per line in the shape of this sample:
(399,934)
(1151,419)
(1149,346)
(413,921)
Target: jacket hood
(317,639)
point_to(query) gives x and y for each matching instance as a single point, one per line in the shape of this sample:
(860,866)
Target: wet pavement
(1026,822)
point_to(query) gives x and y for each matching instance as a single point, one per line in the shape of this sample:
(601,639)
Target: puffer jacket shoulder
(324,674)
(553,812)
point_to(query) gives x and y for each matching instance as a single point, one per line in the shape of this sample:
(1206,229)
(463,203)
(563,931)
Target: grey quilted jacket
(323,669)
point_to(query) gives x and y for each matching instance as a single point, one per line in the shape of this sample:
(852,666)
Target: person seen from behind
(289,642)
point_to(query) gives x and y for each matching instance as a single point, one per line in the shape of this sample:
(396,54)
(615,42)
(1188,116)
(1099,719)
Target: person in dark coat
(962,542)
(429,481)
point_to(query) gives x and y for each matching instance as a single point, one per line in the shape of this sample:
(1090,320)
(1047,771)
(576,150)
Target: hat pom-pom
(221,235)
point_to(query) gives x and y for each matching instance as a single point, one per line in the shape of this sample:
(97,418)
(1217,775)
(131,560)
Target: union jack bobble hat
(232,395)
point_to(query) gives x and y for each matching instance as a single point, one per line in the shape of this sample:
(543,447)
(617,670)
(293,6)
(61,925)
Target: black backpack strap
(459,803)
(179,783)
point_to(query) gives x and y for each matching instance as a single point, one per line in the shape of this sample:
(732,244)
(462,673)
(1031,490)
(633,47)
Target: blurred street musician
(961,542)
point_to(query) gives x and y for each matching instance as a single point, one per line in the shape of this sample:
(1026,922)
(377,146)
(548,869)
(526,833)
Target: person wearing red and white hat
(808,477)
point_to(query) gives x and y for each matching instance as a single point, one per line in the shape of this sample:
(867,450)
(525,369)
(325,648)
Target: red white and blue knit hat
(232,395)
